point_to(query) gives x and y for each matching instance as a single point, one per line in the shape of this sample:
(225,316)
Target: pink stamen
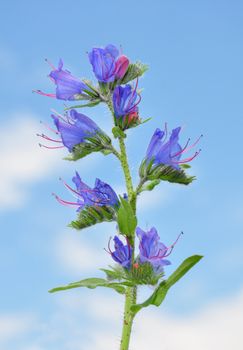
(50,64)
(59,115)
(194,144)
(48,147)
(187,159)
(139,100)
(71,189)
(49,128)
(133,92)
(182,150)
(66,203)
(44,94)
(171,247)
(48,138)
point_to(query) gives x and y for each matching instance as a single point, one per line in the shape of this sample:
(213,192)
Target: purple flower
(125,100)
(122,253)
(73,129)
(153,251)
(101,195)
(108,64)
(168,152)
(68,87)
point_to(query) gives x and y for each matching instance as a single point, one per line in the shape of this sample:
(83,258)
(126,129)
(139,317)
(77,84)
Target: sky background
(194,50)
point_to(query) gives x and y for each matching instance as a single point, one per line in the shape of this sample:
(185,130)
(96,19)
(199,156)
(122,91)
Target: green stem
(131,292)
(126,170)
(128,318)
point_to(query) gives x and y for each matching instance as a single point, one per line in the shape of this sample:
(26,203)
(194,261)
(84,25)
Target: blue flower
(68,87)
(73,129)
(161,151)
(153,251)
(101,195)
(125,100)
(108,64)
(122,253)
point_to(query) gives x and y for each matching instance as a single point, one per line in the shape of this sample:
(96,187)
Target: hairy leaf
(134,71)
(167,173)
(160,292)
(126,219)
(91,283)
(90,216)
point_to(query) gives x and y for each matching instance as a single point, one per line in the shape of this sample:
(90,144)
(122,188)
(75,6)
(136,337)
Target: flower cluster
(151,251)
(74,129)
(162,150)
(109,67)
(101,195)
(117,86)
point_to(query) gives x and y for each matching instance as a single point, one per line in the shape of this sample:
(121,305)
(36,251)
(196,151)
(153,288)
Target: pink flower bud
(121,66)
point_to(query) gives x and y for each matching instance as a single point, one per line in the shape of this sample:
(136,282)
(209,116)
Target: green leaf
(126,219)
(118,132)
(160,292)
(185,166)
(91,283)
(116,273)
(134,71)
(100,142)
(151,185)
(90,216)
(82,150)
(92,103)
(167,173)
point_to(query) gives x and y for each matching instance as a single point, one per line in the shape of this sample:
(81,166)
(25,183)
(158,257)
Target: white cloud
(219,326)
(76,255)
(14,325)
(22,161)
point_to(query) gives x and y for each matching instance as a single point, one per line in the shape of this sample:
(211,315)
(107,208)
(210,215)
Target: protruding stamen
(44,94)
(50,147)
(49,128)
(50,64)
(139,100)
(186,160)
(77,194)
(182,150)
(48,138)
(59,115)
(195,143)
(66,203)
(165,250)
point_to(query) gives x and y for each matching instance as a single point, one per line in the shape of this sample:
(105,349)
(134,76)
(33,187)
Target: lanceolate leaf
(99,143)
(167,173)
(126,219)
(135,70)
(160,293)
(92,103)
(91,283)
(90,216)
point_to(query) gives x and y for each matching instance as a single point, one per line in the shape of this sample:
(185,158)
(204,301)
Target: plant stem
(131,292)
(128,317)
(126,170)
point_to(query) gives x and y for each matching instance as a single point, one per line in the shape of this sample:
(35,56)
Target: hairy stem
(128,318)
(131,292)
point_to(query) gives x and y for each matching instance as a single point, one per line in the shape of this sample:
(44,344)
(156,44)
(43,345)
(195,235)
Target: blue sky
(194,51)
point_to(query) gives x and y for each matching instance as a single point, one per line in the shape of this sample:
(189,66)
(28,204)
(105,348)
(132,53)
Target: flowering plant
(163,161)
